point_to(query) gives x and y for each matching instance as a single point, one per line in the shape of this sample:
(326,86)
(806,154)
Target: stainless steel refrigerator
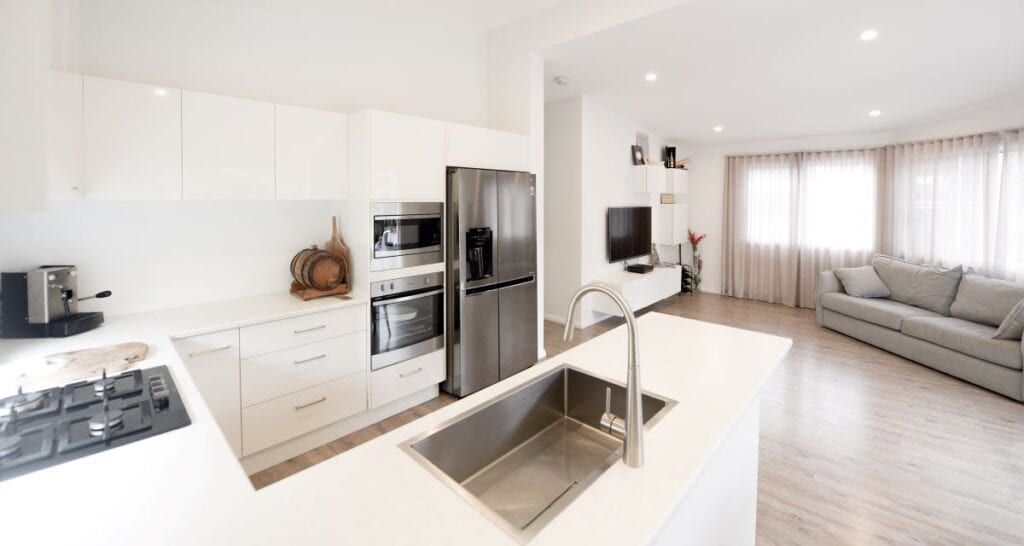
(491,292)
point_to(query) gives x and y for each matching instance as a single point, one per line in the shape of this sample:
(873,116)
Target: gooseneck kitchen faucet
(633,447)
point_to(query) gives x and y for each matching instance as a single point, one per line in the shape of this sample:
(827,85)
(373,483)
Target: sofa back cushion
(928,287)
(862,282)
(984,300)
(1012,326)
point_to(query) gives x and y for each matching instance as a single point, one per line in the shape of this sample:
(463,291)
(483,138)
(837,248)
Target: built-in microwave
(406,234)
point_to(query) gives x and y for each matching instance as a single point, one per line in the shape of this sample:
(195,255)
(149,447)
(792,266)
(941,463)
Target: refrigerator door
(473,226)
(517,221)
(474,355)
(518,320)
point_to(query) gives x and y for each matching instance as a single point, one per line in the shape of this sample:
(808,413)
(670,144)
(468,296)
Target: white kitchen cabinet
(677,181)
(311,153)
(63,135)
(406,158)
(132,135)
(272,375)
(284,418)
(407,377)
(480,148)
(213,363)
(648,178)
(228,147)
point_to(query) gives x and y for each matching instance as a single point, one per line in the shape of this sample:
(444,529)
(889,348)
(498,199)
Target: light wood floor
(858,446)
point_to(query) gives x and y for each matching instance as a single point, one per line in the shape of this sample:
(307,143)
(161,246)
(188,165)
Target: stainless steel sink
(522,457)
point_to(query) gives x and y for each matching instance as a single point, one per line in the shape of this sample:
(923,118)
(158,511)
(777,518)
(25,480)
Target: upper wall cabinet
(63,135)
(677,180)
(132,137)
(648,178)
(406,157)
(228,147)
(476,147)
(312,154)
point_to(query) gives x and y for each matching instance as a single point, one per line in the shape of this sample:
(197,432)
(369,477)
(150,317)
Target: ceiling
(465,15)
(770,69)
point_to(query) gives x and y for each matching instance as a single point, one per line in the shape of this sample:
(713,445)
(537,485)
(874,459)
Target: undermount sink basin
(523,457)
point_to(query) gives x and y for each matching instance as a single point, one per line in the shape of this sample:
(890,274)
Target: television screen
(629,233)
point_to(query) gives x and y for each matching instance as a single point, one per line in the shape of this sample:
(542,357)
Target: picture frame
(643,141)
(638,155)
(669,156)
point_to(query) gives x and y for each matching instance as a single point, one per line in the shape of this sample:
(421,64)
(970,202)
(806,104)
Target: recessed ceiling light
(868,35)
(875,113)
(718,128)
(159,92)
(561,80)
(651,76)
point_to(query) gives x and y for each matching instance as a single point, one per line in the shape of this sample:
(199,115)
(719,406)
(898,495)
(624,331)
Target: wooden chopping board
(63,368)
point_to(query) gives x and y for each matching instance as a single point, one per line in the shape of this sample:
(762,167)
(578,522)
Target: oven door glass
(406,326)
(406,234)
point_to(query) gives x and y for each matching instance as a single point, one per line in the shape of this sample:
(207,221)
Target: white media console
(639,289)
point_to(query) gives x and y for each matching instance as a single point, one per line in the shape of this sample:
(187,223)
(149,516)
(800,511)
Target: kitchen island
(185,487)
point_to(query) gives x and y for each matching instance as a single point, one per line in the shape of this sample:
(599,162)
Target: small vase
(698,266)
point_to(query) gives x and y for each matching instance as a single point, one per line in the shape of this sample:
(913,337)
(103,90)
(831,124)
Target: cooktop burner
(49,427)
(30,405)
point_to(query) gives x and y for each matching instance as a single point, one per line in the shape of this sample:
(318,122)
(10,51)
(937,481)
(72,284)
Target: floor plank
(858,446)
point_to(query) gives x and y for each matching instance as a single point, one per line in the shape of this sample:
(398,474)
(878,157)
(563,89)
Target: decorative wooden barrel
(318,269)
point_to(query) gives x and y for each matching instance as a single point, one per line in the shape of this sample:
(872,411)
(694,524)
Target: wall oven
(406,234)
(407,318)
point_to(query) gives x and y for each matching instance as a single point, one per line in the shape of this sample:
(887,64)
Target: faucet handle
(608,400)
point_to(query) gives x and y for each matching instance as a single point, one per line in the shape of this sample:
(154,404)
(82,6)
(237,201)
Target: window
(814,200)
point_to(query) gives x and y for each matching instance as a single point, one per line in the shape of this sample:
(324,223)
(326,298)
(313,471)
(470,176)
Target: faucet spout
(633,446)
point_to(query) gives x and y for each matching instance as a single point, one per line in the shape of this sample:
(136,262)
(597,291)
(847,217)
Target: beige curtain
(788,216)
(958,201)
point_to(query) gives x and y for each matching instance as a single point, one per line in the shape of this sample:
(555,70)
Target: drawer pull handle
(217,350)
(414,372)
(317,357)
(321,327)
(313,403)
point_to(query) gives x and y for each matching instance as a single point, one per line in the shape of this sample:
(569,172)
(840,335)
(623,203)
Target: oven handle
(407,298)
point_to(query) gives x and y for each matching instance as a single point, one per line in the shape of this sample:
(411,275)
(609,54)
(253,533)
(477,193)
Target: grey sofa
(941,340)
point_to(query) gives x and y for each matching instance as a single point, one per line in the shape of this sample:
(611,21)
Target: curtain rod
(876,146)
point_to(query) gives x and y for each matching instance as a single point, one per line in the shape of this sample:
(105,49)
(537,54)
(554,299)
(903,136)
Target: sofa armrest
(825,283)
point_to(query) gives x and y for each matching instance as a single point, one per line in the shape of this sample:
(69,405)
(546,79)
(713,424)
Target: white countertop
(185,486)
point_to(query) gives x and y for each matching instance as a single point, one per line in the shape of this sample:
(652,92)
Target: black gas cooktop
(48,427)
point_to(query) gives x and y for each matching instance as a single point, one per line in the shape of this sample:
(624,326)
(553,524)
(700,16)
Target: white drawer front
(292,332)
(212,362)
(276,374)
(284,418)
(405,378)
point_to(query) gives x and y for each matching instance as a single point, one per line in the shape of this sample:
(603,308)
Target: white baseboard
(555,318)
(311,440)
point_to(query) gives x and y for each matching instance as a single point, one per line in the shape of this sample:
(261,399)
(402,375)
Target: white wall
(154,255)
(707,165)
(563,170)
(588,170)
(291,57)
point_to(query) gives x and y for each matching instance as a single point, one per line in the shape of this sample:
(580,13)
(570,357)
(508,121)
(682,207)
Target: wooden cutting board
(64,368)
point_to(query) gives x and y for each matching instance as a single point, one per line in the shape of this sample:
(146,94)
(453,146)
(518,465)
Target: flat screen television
(629,233)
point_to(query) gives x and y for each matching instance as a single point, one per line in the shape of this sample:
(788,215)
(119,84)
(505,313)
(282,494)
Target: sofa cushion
(932,288)
(1012,326)
(862,282)
(964,336)
(882,312)
(984,300)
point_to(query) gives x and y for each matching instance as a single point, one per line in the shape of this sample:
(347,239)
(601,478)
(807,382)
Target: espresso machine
(43,302)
